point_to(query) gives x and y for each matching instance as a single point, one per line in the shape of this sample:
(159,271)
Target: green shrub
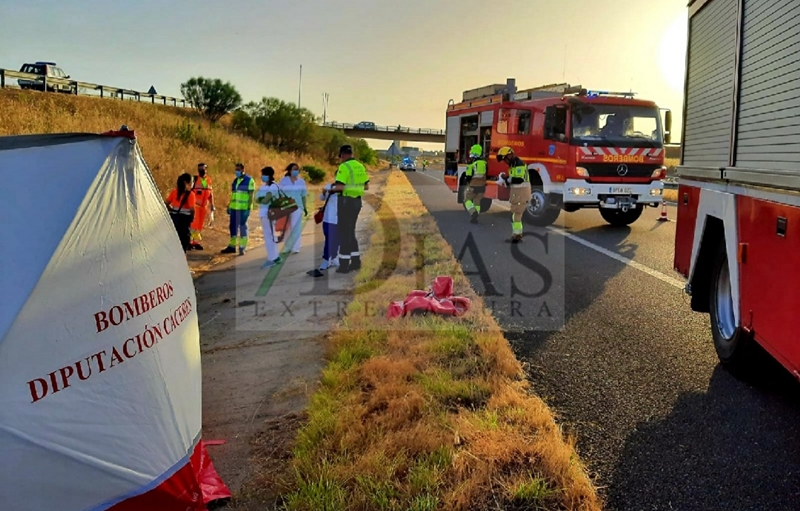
(315,174)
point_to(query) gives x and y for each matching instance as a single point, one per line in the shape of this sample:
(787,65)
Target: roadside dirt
(263,347)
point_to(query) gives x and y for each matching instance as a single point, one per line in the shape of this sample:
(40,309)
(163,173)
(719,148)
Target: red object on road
(663,217)
(438,300)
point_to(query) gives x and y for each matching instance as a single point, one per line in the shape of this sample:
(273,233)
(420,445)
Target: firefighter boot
(344,266)
(474,219)
(355,263)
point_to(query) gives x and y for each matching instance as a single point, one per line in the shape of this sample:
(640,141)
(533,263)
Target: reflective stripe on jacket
(353,175)
(240,193)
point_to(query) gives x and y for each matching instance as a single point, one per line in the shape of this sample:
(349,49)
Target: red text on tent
(59,379)
(127,311)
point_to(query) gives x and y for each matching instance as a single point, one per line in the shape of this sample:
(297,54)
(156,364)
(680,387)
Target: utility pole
(325,97)
(300,86)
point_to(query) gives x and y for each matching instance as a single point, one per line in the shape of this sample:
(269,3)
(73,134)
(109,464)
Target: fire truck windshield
(616,125)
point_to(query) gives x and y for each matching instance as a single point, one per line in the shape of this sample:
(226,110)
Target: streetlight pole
(299,86)
(325,97)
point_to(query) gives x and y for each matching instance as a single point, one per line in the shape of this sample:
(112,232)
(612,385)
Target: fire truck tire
(617,218)
(733,344)
(485,204)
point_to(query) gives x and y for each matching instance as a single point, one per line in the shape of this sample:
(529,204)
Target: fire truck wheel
(538,212)
(617,218)
(732,343)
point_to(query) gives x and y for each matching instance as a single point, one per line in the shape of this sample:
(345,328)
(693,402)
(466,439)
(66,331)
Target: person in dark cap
(351,182)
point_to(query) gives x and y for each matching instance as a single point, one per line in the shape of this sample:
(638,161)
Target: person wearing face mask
(264,196)
(242,191)
(295,187)
(204,200)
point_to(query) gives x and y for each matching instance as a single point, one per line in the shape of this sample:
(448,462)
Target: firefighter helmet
(476,151)
(503,152)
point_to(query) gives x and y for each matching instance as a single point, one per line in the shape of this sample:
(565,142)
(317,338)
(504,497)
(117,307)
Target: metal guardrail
(385,129)
(75,87)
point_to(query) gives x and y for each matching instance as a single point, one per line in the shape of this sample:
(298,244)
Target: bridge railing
(384,129)
(75,87)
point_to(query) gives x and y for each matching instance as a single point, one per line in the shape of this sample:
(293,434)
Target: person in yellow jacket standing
(351,181)
(476,182)
(243,191)
(519,183)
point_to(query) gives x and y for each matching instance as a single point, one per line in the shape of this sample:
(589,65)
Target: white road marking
(630,262)
(597,248)
(430,176)
(613,255)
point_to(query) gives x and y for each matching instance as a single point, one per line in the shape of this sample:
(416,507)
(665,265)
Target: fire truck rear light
(582,171)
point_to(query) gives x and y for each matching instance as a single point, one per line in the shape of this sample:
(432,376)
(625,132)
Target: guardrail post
(165,100)
(174,102)
(2,78)
(101,91)
(153,98)
(75,84)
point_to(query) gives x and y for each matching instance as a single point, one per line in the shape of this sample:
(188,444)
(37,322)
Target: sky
(389,62)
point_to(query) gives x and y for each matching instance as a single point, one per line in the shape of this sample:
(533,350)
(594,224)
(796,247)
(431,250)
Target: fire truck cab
(584,149)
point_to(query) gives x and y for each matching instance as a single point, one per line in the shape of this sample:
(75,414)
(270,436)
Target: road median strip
(426,412)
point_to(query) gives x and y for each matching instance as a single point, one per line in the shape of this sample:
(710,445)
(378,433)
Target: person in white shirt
(264,196)
(330,250)
(295,187)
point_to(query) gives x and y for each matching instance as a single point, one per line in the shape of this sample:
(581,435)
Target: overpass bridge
(389,132)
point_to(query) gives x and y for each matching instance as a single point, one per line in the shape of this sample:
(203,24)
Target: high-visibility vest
(477,168)
(518,170)
(202,190)
(354,176)
(181,204)
(240,193)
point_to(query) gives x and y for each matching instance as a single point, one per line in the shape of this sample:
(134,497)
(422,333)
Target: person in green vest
(519,184)
(243,190)
(476,182)
(351,181)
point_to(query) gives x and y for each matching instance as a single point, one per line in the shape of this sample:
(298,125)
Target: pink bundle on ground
(438,300)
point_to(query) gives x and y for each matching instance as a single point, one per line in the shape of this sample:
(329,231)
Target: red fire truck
(584,149)
(737,237)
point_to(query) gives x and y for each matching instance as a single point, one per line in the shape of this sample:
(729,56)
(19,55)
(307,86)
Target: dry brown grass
(427,413)
(670,195)
(173,140)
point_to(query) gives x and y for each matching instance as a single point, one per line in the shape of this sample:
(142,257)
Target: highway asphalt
(614,348)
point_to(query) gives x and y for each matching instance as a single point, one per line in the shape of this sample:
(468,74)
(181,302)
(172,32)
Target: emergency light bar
(608,93)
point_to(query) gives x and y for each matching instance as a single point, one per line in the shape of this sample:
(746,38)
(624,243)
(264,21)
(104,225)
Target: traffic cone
(663,217)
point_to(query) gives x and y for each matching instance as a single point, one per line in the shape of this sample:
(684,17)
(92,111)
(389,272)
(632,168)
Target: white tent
(100,402)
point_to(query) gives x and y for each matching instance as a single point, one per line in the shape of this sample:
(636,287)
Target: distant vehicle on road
(408,164)
(48,69)
(365,125)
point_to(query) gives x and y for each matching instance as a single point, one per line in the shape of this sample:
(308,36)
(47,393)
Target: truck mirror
(668,138)
(668,122)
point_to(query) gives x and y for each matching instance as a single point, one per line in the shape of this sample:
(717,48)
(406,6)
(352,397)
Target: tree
(277,124)
(211,97)
(363,152)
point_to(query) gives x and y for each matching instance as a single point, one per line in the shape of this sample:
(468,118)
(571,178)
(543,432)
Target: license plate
(621,190)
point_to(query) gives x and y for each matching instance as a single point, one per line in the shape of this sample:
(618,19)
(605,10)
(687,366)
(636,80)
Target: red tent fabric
(438,299)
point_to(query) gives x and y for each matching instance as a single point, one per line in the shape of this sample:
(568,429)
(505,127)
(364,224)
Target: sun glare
(672,53)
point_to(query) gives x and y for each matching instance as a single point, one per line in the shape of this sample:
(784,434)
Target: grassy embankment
(426,412)
(173,141)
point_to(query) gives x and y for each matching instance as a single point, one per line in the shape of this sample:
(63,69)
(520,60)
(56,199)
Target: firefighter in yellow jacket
(519,183)
(476,182)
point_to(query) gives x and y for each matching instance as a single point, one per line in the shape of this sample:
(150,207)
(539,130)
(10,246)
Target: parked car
(365,125)
(408,164)
(48,69)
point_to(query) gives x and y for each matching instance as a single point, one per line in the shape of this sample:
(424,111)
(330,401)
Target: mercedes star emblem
(622,169)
